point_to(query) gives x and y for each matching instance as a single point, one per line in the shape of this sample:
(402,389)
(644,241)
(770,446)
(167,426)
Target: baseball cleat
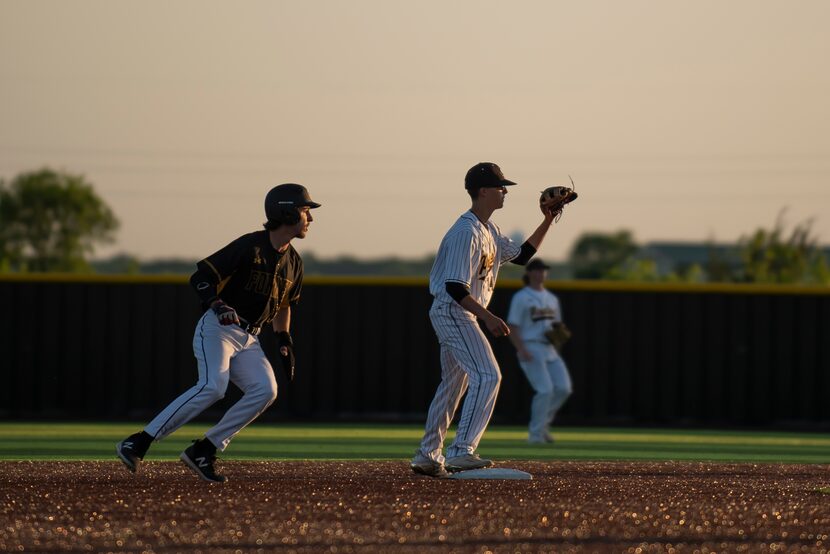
(422,465)
(126,451)
(465,462)
(200,460)
(545,438)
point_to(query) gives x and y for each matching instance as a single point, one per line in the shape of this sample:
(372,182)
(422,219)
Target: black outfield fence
(119,348)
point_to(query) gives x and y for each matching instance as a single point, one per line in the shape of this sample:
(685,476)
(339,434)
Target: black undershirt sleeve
(458,291)
(525,254)
(216,268)
(205,282)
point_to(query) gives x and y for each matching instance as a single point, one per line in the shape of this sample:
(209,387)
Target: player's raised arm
(551,203)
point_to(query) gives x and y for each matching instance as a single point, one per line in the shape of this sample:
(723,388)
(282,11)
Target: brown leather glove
(558,335)
(555,198)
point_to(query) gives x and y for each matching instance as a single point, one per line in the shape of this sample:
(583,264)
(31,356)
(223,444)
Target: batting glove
(224,313)
(286,352)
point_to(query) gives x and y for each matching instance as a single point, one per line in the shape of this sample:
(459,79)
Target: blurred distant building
(716,260)
(678,257)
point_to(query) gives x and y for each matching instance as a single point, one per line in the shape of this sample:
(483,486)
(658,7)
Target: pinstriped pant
(224,353)
(467,364)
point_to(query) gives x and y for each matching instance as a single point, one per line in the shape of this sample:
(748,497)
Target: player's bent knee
(266,393)
(272,394)
(490,379)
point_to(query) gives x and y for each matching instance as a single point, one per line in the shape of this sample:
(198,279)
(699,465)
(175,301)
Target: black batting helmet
(282,203)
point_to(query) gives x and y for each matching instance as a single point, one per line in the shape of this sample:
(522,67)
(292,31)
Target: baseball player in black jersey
(251,283)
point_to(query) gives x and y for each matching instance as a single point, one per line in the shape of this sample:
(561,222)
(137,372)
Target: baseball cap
(485,174)
(536,263)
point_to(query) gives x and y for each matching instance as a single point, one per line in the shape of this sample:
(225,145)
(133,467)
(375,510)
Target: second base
(492,473)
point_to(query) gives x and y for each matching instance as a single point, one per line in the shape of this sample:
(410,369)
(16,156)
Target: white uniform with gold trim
(533,312)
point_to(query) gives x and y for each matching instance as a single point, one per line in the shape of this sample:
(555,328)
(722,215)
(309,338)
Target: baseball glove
(555,198)
(558,335)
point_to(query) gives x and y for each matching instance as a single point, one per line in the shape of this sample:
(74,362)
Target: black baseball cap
(484,175)
(536,263)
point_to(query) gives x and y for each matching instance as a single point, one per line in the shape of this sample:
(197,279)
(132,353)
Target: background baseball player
(252,282)
(461,282)
(533,311)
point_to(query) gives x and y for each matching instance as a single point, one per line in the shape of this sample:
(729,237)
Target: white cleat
(466,462)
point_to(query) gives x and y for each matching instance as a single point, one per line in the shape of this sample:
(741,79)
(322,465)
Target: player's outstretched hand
(553,200)
(496,326)
(286,350)
(224,313)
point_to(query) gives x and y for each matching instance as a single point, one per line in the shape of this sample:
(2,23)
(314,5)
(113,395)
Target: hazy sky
(678,120)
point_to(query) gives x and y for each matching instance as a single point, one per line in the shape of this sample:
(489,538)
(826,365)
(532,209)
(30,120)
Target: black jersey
(252,277)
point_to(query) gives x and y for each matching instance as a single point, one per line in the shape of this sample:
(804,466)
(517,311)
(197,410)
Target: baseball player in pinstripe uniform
(249,284)
(462,281)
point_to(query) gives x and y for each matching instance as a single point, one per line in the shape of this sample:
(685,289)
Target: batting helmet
(282,203)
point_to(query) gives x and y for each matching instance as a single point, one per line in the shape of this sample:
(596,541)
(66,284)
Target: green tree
(50,221)
(595,255)
(769,257)
(722,265)
(645,269)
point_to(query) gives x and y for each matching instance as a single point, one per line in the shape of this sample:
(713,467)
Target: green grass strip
(96,441)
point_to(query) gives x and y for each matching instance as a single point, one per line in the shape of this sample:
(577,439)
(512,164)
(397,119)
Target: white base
(492,473)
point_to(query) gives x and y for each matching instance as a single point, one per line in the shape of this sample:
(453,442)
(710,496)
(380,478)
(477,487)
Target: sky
(687,121)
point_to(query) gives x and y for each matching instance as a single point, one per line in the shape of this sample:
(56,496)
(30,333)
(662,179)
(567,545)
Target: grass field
(96,441)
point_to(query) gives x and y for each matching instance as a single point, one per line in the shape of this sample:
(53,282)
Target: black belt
(249,328)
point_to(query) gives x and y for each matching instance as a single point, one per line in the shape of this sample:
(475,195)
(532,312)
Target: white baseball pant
(224,353)
(549,377)
(467,363)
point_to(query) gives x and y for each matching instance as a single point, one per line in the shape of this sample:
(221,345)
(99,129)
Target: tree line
(52,221)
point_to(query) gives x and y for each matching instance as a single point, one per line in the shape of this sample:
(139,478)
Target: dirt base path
(382,506)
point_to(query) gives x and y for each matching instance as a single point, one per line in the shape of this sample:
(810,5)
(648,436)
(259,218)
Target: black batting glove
(224,313)
(286,351)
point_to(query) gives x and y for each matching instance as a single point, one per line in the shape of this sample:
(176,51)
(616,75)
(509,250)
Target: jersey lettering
(541,314)
(470,253)
(260,282)
(485,272)
(255,279)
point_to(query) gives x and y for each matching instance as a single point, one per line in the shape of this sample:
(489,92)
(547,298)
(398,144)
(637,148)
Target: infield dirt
(383,507)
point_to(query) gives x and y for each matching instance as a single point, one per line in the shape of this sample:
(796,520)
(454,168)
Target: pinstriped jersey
(471,253)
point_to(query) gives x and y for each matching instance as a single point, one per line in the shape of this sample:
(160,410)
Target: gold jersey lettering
(485,270)
(538,314)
